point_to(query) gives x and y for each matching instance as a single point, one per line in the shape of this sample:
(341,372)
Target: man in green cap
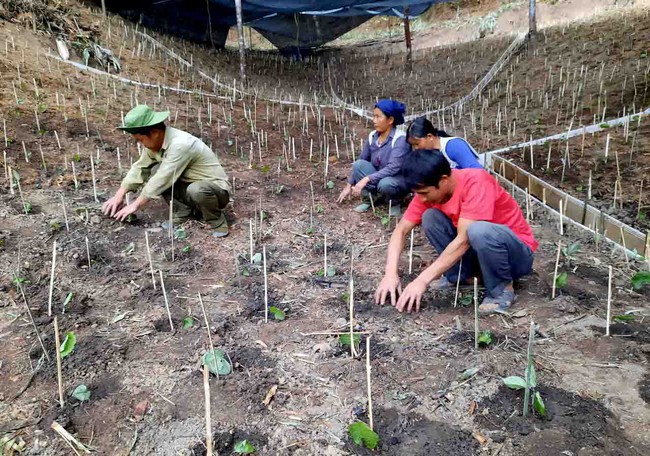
(200,184)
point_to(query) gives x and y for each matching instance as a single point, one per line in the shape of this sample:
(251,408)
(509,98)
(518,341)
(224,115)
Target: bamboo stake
(411,252)
(65,214)
(169,315)
(31,317)
(266,287)
(638,211)
(529,366)
(353,351)
(49,301)
(609,301)
(69,439)
(92,170)
(153,276)
(557,263)
(207,325)
(74,175)
(208,420)
(59,373)
(561,219)
(88,252)
(368,381)
(460,270)
(250,232)
(325,255)
(475,313)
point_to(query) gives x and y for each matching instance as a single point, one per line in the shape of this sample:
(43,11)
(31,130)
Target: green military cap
(142,116)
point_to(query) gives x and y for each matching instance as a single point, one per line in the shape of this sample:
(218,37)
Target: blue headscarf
(392,108)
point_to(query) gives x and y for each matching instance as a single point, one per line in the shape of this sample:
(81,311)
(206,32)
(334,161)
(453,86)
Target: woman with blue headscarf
(378,168)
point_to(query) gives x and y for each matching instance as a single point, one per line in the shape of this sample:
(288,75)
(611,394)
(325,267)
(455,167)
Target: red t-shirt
(478,196)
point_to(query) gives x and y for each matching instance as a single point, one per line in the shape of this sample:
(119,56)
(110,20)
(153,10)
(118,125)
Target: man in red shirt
(466,215)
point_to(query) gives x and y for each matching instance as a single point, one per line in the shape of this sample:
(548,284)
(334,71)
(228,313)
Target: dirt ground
(145,379)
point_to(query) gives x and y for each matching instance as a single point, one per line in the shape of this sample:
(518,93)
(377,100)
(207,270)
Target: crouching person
(200,184)
(466,215)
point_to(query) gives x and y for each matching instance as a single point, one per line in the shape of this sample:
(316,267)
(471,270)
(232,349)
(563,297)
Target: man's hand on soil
(411,296)
(344,193)
(125,212)
(391,286)
(112,206)
(356,190)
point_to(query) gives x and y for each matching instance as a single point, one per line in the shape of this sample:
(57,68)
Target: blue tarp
(291,25)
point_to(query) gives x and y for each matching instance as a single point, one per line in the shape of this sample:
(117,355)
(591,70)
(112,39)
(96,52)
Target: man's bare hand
(112,206)
(412,296)
(356,190)
(391,286)
(344,193)
(126,211)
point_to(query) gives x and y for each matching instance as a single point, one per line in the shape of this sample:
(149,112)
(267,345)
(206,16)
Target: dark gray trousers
(496,254)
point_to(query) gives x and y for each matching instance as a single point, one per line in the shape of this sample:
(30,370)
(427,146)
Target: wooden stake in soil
(475,313)
(250,232)
(65,214)
(557,263)
(529,367)
(208,420)
(49,300)
(69,439)
(325,255)
(561,219)
(411,252)
(370,421)
(153,276)
(31,317)
(169,315)
(92,170)
(266,287)
(59,373)
(460,270)
(88,252)
(207,325)
(353,351)
(609,301)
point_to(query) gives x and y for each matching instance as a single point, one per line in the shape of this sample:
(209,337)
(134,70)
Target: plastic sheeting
(294,26)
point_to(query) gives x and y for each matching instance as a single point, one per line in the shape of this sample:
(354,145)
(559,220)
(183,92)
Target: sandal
(500,304)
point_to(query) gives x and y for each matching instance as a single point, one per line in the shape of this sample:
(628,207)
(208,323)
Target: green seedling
(624,317)
(188,322)
(186,249)
(331,272)
(561,280)
(345,297)
(28,207)
(257,258)
(18,281)
(362,435)
(180,233)
(469,373)
(69,342)
(485,338)
(55,226)
(309,231)
(81,393)
(385,220)
(319,209)
(344,340)
(217,363)
(278,314)
(279,189)
(571,250)
(68,299)
(265,169)
(329,185)
(244,447)
(76,157)
(640,280)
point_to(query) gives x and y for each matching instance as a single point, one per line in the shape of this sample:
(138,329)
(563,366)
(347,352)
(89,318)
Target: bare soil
(145,379)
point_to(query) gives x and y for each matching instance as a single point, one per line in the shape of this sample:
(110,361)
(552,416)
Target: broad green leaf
(188,322)
(571,249)
(468,373)
(68,344)
(257,258)
(278,314)
(187,249)
(362,435)
(81,393)
(515,382)
(244,447)
(345,297)
(561,280)
(640,279)
(331,272)
(385,220)
(344,339)
(624,317)
(538,404)
(330,185)
(533,376)
(217,362)
(485,338)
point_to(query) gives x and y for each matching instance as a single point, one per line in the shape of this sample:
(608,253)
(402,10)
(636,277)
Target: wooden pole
(59,373)
(407,37)
(609,301)
(49,301)
(153,276)
(532,21)
(242,45)
(208,420)
(370,420)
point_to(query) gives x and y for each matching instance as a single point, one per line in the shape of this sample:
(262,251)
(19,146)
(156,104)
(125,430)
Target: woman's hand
(356,190)
(344,193)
